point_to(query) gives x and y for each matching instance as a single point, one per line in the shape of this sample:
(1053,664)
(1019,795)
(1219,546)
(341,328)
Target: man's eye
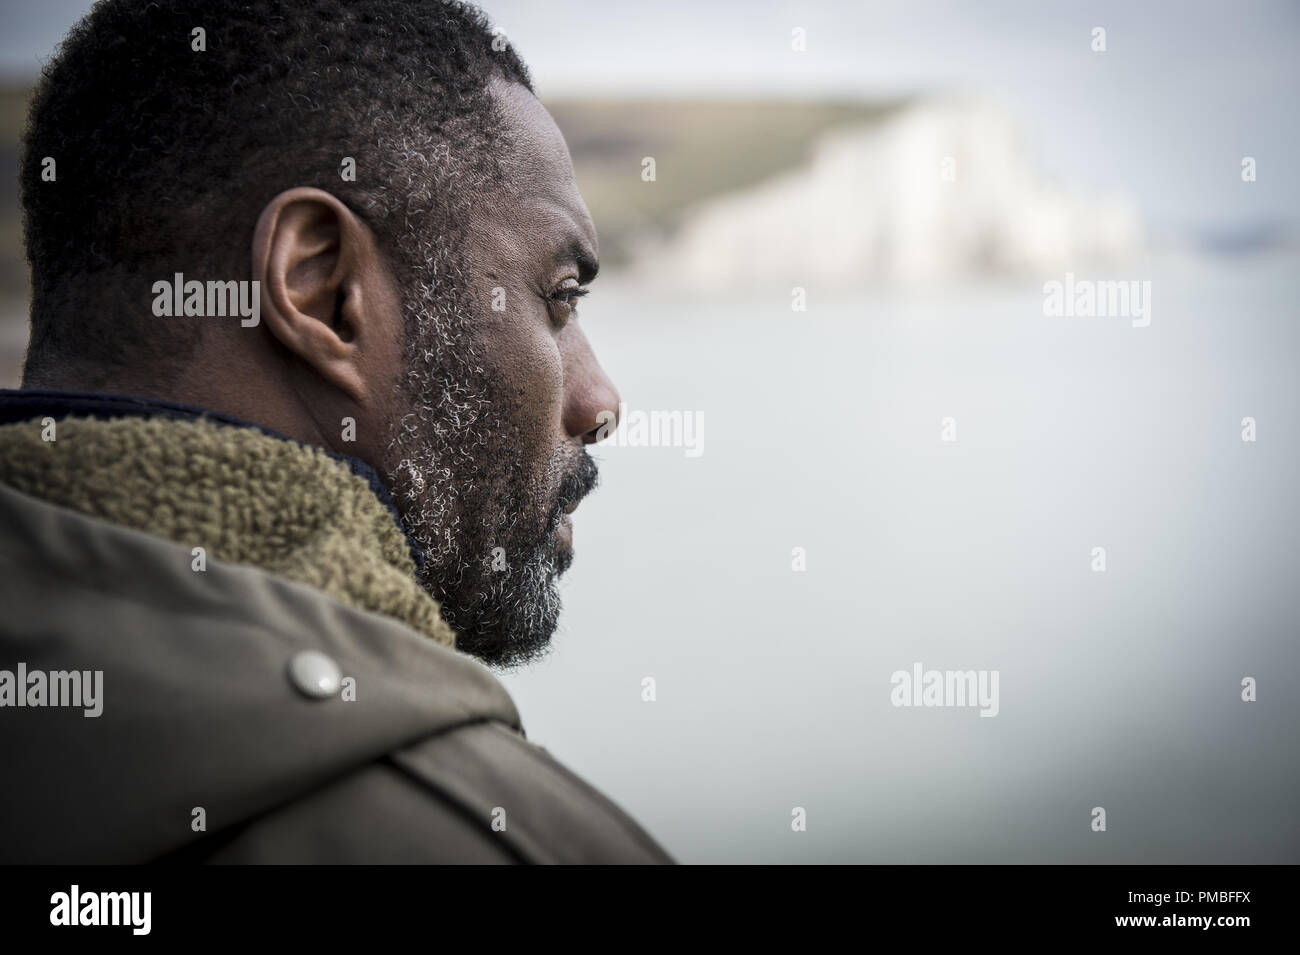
(566,296)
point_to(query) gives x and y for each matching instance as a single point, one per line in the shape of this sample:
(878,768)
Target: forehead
(541,207)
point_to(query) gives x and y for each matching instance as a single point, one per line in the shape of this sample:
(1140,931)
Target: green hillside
(701,149)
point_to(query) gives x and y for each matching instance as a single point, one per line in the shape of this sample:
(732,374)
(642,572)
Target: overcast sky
(1184,90)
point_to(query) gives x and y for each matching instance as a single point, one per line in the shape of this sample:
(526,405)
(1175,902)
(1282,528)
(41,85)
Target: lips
(574,488)
(562,518)
(564,532)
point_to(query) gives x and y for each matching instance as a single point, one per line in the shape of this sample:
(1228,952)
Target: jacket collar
(25,404)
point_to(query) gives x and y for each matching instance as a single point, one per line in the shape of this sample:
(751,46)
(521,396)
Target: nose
(591,402)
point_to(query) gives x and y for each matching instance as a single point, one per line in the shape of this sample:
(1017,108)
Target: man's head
(430,298)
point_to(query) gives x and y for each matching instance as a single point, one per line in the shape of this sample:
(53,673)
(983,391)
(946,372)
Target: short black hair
(164,154)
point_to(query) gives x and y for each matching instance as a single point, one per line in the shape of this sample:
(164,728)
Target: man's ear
(326,293)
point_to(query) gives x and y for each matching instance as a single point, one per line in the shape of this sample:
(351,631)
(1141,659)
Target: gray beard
(454,464)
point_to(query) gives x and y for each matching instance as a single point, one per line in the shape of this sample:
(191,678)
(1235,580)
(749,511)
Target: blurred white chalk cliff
(934,190)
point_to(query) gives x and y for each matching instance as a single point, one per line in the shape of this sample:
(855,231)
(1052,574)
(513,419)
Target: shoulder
(478,793)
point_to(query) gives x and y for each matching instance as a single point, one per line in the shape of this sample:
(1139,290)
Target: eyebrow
(578,252)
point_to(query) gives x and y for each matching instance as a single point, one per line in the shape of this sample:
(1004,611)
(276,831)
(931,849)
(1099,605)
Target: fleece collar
(245,495)
(26,404)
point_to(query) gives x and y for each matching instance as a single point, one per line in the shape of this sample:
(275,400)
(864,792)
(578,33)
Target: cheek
(527,360)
